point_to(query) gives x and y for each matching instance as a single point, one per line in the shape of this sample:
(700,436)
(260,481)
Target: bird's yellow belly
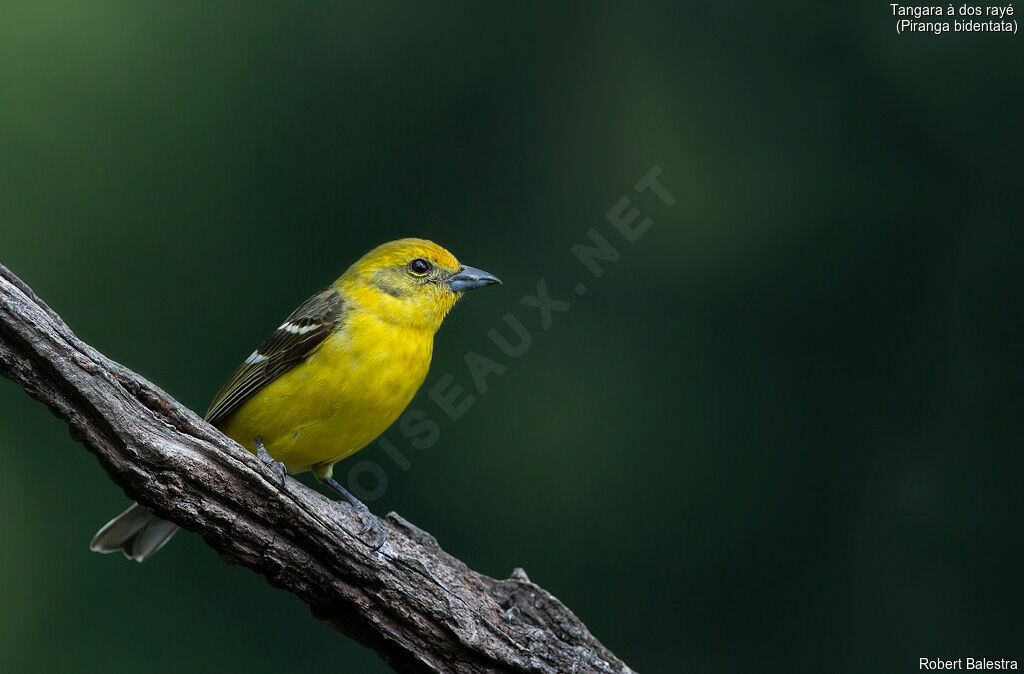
(339,399)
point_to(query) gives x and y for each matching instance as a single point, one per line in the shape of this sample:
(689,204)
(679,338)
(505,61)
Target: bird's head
(411,282)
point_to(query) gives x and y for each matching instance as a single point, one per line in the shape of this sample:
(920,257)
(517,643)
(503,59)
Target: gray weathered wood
(416,605)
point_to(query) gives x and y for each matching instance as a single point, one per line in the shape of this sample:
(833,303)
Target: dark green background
(781,433)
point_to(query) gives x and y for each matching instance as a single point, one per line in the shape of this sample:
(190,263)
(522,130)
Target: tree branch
(417,606)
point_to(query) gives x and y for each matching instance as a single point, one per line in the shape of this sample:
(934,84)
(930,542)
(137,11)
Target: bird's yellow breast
(341,397)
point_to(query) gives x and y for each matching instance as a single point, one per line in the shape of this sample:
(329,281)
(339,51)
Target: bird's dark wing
(295,339)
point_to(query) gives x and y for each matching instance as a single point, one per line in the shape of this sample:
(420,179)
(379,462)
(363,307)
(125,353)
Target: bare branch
(417,606)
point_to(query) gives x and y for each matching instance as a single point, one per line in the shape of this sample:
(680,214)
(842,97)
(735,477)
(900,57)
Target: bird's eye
(419,266)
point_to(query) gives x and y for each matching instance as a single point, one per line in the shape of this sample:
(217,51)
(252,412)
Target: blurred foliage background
(782,432)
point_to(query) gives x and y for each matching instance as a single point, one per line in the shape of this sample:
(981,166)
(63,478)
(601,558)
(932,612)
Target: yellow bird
(332,377)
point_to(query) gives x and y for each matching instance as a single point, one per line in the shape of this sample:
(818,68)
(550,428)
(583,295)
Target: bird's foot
(279,468)
(373,534)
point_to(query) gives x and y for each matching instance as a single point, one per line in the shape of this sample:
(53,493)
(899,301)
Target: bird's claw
(379,535)
(371,525)
(279,468)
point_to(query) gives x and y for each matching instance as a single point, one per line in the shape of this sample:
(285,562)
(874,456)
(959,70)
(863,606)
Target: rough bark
(416,605)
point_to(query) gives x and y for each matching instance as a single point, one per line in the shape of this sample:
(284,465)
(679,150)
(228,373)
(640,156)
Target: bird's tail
(136,532)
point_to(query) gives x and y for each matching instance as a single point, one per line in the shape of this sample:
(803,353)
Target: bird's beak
(471,278)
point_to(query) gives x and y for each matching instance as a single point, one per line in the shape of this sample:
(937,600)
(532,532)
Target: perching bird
(332,377)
